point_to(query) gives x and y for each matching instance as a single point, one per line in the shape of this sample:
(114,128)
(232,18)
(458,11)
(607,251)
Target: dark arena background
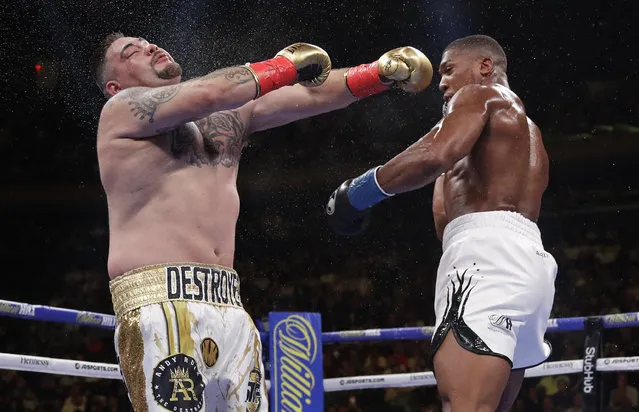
(575,64)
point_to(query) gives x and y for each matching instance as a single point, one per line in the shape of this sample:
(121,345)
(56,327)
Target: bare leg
(469,382)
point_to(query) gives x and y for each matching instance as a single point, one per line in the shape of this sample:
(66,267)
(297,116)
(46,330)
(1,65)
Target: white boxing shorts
(184,341)
(495,287)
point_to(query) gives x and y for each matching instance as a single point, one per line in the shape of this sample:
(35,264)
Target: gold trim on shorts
(131,357)
(170,282)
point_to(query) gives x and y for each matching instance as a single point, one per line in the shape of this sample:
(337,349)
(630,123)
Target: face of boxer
(460,68)
(132,61)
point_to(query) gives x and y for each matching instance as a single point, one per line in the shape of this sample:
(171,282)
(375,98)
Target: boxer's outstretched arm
(139,112)
(143,112)
(405,67)
(452,139)
(292,103)
(449,141)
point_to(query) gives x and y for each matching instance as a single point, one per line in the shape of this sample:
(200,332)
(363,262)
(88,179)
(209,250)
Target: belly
(468,192)
(190,222)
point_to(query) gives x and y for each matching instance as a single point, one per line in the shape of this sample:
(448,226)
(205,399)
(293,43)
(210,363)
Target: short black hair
(98,62)
(483,44)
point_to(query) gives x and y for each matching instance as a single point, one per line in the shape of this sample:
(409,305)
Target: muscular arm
(449,141)
(292,103)
(140,112)
(439,209)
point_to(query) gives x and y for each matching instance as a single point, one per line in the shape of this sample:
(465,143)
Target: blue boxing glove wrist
(364,191)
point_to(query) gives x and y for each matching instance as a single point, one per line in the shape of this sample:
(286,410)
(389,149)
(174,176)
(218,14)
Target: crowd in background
(53,216)
(369,285)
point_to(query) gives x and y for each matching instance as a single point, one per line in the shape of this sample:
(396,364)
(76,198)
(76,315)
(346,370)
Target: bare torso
(173,197)
(507,168)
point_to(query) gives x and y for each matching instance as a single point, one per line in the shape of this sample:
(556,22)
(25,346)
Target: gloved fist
(342,217)
(312,63)
(408,68)
(298,63)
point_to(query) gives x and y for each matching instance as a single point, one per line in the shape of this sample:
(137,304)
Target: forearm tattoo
(237,75)
(145,103)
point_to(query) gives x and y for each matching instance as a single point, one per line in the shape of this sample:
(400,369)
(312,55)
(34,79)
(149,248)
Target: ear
(113,87)
(486,67)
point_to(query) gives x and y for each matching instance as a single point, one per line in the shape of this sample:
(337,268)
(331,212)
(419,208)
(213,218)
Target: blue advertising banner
(296,362)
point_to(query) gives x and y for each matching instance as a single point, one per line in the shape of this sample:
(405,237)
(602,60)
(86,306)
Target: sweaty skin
(173,197)
(484,153)
(172,194)
(507,168)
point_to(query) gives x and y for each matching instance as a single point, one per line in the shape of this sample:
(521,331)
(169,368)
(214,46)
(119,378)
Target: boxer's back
(507,168)
(173,197)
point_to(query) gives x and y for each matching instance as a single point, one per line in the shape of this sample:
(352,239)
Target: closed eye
(125,48)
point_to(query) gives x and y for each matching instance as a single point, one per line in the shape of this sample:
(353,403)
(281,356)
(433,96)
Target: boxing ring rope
(28,363)
(101,320)
(589,368)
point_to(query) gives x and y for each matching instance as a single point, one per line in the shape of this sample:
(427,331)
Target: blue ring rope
(101,320)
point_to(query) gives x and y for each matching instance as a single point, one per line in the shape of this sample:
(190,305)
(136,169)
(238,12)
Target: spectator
(358,290)
(532,398)
(577,404)
(549,405)
(563,397)
(623,398)
(76,401)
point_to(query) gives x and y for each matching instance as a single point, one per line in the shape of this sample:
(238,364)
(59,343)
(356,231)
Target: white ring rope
(59,366)
(112,371)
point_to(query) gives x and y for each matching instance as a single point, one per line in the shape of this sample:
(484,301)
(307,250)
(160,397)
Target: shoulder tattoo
(144,104)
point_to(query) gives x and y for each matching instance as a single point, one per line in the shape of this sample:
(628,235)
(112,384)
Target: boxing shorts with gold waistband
(184,342)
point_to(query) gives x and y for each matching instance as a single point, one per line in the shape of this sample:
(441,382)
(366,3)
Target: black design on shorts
(456,298)
(210,352)
(253,391)
(501,321)
(177,384)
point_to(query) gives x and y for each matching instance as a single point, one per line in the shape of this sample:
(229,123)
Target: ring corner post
(296,358)
(591,388)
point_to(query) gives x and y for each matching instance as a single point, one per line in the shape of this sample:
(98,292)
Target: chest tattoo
(224,137)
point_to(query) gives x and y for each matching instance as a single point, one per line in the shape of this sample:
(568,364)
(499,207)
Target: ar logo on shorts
(177,384)
(253,395)
(210,352)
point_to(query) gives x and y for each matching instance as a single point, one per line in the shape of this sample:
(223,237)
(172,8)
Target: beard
(171,71)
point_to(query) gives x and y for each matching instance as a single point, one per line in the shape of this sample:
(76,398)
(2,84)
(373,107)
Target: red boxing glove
(301,63)
(273,74)
(364,81)
(405,67)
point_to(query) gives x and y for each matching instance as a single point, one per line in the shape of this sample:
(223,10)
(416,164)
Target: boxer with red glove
(405,67)
(176,140)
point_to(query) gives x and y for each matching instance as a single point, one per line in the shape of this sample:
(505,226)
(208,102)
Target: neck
(497,78)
